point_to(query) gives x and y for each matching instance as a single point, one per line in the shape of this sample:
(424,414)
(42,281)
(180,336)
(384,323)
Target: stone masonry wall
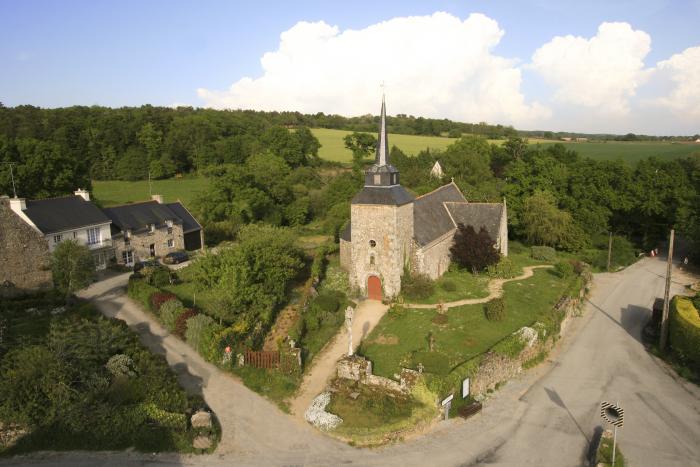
(140,243)
(391,228)
(346,255)
(433,260)
(24,255)
(356,368)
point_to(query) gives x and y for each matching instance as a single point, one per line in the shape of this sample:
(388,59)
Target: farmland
(632,152)
(114,192)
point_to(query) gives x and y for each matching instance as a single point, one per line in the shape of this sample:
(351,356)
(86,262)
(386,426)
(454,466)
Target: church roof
(382,157)
(478,215)
(392,195)
(431,219)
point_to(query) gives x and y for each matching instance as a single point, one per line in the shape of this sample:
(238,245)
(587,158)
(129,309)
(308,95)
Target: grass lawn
(402,341)
(115,192)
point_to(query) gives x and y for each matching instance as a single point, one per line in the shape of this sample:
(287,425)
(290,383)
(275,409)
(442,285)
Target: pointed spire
(382,139)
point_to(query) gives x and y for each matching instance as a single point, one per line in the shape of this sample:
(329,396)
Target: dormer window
(151,228)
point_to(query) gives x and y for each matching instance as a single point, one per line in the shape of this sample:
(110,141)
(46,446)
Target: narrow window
(377,179)
(171,243)
(93,236)
(371,260)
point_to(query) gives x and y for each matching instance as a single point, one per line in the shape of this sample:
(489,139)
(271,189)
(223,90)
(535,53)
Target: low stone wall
(356,368)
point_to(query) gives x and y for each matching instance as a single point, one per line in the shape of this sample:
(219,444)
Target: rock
(201,419)
(58,310)
(317,415)
(354,395)
(201,442)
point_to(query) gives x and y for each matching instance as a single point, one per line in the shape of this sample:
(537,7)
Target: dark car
(144,264)
(176,257)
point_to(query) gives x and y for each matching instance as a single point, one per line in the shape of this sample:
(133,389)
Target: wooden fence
(262,359)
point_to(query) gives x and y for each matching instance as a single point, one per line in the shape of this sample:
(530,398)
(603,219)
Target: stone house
(391,231)
(152,229)
(68,218)
(24,254)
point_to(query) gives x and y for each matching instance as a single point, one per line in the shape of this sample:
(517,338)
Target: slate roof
(478,215)
(430,217)
(138,216)
(189,223)
(65,213)
(395,195)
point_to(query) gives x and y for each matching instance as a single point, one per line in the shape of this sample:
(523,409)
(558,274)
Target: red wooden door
(374,288)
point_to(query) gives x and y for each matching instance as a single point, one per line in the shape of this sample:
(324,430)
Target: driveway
(546,417)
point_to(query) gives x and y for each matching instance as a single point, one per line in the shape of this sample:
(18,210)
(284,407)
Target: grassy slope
(467,333)
(114,192)
(332,146)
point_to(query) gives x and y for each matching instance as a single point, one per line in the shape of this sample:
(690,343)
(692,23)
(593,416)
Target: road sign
(611,413)
(448,399)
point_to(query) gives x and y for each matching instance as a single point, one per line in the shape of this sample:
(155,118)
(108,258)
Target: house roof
(431,219)
(139,216)
(395,195)
(189,223)
(478,215)
(65,213)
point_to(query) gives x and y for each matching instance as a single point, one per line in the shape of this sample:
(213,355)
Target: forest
(264,168)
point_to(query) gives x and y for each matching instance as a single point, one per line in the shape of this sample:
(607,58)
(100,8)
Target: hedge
(684,329)
(543,253)
(201,334)
(141,292)
(169,313)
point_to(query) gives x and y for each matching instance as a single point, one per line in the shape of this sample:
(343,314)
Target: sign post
(614,415)
(447,404)
(465,388)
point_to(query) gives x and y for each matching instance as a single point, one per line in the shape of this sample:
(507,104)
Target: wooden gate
(263,359)
(374,288)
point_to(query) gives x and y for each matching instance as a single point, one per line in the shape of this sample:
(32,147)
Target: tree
(474,250)
(361,145)
(72,266)
(543,223)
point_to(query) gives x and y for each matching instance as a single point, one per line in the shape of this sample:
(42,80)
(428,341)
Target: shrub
(495,309)
(448,286)
(563,269)
(684,330)
(543,253)
(181,322)
(159,298)
(170,312)
(141,291)
(579,267)
(197,327)
(120,365)
(157,276)
(474,250)
(327,301)
(417,286)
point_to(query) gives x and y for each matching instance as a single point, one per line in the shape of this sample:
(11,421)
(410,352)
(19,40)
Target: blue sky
(162,52)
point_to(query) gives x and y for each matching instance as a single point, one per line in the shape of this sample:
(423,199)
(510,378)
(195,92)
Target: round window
(372,243)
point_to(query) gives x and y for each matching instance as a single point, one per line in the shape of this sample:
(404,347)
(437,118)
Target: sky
(589,66)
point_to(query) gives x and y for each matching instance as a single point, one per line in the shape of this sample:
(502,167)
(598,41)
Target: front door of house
(153,250)
(374,288)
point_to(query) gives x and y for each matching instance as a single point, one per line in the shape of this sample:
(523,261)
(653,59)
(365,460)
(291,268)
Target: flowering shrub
(181,322)
(120,365)
(159,298)
(169,312)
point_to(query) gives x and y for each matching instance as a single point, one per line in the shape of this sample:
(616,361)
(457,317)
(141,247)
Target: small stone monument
(348,323)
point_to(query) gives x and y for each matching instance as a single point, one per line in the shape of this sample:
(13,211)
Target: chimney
(158,198)
(18,205)
(83,194)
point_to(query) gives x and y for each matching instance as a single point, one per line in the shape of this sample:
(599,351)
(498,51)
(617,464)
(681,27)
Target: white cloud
(600,73)
(683,71)
(434,66)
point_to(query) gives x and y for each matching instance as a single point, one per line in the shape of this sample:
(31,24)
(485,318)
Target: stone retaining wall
(356,368)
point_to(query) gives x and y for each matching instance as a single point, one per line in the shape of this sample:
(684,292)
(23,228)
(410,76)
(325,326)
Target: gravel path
(495,289)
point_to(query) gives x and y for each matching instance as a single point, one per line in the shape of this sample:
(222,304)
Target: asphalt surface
(546,417)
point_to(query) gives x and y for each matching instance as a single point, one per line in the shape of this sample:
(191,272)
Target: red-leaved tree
(473,250)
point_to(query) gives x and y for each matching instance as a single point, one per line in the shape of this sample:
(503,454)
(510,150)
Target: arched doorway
(374,288)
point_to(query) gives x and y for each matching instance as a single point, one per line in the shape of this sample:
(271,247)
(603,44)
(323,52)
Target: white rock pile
(316,413)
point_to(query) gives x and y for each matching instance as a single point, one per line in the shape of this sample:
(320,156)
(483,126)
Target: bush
(448,286)
(159,298)
(141,291)
(197,328)
(495,309)
(563,269)
(157,276)
(170,312)
(543,253)
(417,286)
(684,330)
(181,322)
(327,301)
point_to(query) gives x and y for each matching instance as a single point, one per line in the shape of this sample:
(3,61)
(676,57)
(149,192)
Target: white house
(69,218)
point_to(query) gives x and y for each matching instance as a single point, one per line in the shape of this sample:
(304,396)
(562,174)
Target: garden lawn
(402,340)
(115,192)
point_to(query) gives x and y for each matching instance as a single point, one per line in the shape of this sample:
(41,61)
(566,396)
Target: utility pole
(667,293)
(12,177)
(150,187)
(609,250)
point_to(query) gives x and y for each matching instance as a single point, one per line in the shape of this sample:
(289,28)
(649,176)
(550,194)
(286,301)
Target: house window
(171,243)
(93,236)
(377,179)
(75,235)
(128,257)
(170,230)
(57,238)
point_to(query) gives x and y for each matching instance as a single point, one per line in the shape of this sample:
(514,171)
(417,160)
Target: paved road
(544,418)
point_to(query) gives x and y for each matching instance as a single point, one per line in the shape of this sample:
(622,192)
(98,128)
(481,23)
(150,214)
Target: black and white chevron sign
(612,414)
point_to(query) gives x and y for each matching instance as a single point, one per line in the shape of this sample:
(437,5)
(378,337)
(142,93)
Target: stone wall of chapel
(433,260)
(391,228)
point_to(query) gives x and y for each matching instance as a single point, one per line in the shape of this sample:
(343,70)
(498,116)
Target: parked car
(176,257)
(143,264)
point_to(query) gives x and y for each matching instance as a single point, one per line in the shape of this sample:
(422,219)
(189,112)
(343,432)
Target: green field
(333,149)
(114,192)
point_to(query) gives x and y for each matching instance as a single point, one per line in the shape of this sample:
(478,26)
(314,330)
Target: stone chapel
(390,230)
